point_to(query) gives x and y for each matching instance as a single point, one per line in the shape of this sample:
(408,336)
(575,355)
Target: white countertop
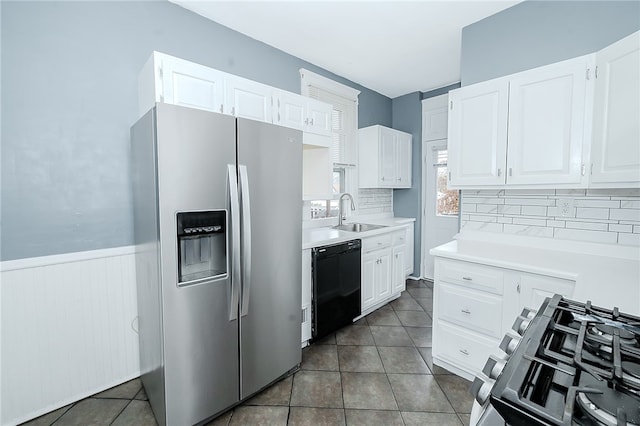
(605,273)
(326,235)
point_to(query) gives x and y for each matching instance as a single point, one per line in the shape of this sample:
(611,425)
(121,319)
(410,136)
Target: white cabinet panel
(528,129)
(384,158)
(478,134)
(546,124)
(408,256)
(398,268)
(462,348)
(383,275)
(318,119)
(475,310)
(434,118)
(369,263)
(306,295)
(289,109)
(247,99)
(383,266)
(470,295)
(180,82)
(616,127)
(403,160)
(535,288)
(387,164)
(302,113)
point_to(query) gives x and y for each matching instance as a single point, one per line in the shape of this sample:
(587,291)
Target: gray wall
(407,116)
(535,33)
(69,96)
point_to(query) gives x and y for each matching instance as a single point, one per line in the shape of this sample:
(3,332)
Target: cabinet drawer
(462,348)
(375,243)
(469,308)
(399,238)
(480,277)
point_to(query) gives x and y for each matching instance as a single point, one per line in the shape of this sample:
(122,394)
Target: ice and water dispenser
(202,245)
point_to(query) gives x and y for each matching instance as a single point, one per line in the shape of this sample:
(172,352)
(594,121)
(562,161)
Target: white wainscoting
(67,329)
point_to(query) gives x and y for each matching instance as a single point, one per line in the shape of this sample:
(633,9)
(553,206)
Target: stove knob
(528,313)
(520,325)
(509,343)
(481,388)
(494,366)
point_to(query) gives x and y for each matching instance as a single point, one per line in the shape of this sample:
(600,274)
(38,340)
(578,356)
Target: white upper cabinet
(527,129)
(175,81)
(384,156)
(546,124)
(289,109)
(403,160)
(616,124)
(318,117)
(165,78)
(302,113)
(434,118)
(247,99)
(477,144)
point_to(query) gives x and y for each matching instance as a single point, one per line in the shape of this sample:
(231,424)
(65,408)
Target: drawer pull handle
(465,311)
(467,278)
(464,352)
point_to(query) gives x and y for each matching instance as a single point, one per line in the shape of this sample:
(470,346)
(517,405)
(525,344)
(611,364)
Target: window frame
(309,79)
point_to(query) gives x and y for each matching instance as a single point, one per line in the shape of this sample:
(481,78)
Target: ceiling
(392,47)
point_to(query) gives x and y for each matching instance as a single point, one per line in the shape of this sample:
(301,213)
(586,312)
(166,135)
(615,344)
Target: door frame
(428,147)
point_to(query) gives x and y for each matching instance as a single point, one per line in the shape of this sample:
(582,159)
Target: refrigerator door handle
(246,239)
(235,241)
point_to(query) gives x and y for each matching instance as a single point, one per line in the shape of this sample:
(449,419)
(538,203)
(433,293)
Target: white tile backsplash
(599,215)
(374,200)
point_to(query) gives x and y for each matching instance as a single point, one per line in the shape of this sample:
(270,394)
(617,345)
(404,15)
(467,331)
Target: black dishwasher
(336,287)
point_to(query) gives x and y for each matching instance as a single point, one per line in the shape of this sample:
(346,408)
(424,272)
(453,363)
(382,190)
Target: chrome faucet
(341,216)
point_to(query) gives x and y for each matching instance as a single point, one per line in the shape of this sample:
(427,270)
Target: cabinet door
(191,85)
(247,99)
(616,128)
(383,275)
(535,288)
(434,118)
(546,124)
(289,109)
(478,134)
(408,250)
(369,263)
(318,118)
(306,295)
(398,283)
(403,161)
(387,166)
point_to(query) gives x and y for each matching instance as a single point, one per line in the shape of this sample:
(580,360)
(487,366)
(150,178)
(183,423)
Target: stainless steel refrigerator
(217,222)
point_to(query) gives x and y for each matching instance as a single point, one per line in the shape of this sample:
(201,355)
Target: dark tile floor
(378,371)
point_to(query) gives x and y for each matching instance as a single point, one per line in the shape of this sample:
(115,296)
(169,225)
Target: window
(344,124)
(447,202)
(329,208)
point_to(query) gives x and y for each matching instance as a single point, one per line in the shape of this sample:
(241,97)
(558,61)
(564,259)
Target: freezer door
(270,167)
(196,152)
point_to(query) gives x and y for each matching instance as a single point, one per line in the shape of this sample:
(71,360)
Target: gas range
(570,363)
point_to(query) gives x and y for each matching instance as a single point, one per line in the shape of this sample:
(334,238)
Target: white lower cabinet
(475,304)
(398,259)
(383,268)
(376,270)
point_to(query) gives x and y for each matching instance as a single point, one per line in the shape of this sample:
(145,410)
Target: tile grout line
(122,411)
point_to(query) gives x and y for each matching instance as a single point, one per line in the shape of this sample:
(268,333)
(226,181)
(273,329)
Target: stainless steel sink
(357,227)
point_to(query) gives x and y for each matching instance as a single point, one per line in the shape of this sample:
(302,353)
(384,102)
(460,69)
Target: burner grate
(579,364)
